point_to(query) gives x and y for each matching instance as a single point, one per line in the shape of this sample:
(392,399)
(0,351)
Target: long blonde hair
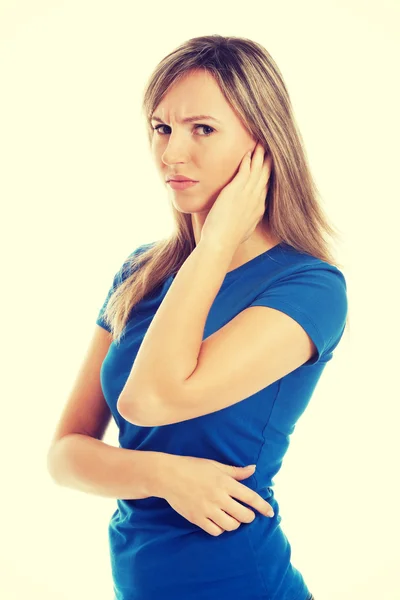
(253,85)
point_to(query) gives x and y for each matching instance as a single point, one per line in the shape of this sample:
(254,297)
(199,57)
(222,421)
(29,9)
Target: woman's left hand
(240,205)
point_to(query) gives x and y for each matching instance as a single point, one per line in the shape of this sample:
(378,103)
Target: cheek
(225,171)
(220,169)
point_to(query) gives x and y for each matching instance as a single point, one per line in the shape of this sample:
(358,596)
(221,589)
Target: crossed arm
(178,376)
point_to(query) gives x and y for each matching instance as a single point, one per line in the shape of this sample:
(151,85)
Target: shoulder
(130,263)
(293,264)
(309,290)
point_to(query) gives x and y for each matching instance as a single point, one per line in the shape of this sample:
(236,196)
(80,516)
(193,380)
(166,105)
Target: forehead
(198,94)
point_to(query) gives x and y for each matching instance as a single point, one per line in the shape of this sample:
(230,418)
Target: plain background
(80,191)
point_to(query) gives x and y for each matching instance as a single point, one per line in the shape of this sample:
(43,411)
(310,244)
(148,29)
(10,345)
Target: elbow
(52,462)
(144,411)
(129,410)
(126,410)
(49,464)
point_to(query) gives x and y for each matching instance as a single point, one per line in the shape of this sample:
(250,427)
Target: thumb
(243,472)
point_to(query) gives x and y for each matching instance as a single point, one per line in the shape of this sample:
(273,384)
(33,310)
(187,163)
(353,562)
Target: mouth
(182,179)
(181,185)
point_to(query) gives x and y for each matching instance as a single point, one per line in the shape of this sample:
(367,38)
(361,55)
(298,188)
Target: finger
(241,492)
(258,156)
(251,168)
(257,165)
(267,167)
(224,520)
(238,511)
(245,165)
(264,178)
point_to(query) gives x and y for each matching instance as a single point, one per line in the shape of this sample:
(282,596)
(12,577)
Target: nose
(176,151)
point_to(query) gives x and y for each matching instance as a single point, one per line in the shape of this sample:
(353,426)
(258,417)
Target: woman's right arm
(90,465)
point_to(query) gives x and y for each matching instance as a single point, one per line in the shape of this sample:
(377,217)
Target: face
(210,154)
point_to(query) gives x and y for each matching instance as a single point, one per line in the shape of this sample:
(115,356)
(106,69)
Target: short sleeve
(316,297)
(123,272)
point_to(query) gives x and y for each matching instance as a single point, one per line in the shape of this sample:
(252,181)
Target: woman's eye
(196,126)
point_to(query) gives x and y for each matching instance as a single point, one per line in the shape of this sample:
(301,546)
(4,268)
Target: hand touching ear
(240,206)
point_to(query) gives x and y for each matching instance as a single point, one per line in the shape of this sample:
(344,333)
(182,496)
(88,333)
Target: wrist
(219,244)
(159,473)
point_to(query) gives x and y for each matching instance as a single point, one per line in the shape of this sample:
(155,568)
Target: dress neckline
(254,261)
(250,263)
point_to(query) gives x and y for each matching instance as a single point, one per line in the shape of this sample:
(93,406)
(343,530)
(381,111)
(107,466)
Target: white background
(79,192)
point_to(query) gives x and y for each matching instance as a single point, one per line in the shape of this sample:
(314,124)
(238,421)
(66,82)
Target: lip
(181,185)
(180,178)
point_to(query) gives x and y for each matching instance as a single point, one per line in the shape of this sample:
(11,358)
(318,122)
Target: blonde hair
(253,85)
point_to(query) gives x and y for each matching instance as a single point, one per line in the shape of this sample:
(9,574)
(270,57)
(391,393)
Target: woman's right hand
(203,492)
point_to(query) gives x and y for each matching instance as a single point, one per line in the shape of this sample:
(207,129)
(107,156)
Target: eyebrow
(189,119)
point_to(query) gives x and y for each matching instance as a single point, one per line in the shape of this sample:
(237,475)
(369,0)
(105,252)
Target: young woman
(210,343)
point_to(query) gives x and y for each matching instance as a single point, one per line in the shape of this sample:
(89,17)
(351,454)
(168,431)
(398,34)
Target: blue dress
(156,554)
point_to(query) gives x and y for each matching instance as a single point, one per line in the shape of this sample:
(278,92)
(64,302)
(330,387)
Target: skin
(213,160)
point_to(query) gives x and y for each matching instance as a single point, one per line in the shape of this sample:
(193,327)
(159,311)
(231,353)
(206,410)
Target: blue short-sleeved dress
(156,554)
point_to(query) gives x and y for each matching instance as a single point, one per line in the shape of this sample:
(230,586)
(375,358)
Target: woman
(218,334)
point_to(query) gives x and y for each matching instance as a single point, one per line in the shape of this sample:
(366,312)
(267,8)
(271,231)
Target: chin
(192,205)
(200,200)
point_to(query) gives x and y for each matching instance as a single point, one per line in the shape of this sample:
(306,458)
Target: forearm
(90,465)
(169,352)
